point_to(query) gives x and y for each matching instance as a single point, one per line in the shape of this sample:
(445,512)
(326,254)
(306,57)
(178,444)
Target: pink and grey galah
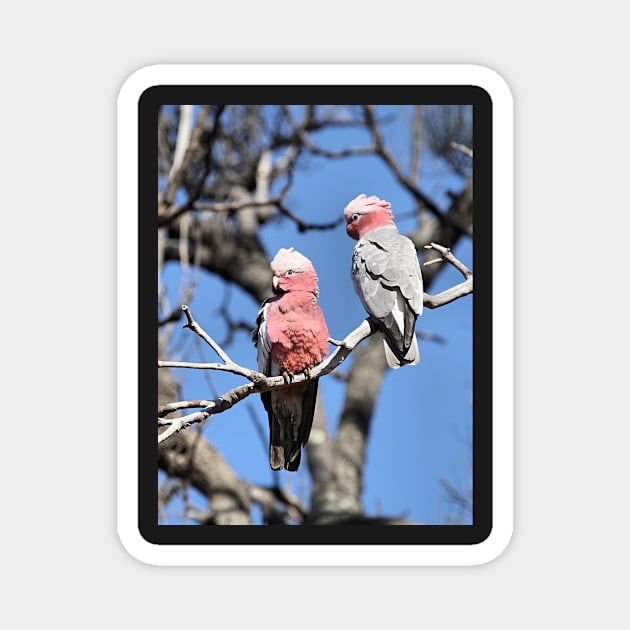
(386,276)
(291,338)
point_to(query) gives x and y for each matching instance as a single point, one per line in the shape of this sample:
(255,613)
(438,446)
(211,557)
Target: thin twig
(194,326)
(456,292)
(462,149)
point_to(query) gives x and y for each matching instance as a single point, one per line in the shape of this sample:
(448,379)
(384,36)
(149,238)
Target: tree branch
(260,382)
(454,293)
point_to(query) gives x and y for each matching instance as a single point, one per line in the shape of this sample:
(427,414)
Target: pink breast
(298,332)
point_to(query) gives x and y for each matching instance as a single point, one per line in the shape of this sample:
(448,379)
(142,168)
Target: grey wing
(409,276)
(367,266)
(387,277)
(261,340)
(387,261)
(263,344)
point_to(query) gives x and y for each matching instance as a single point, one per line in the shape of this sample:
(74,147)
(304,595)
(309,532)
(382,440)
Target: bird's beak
(274,283)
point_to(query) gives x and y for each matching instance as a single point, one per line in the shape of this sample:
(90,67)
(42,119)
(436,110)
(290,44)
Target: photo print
(330,325)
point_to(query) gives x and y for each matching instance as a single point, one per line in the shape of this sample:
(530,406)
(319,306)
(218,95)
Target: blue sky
(421,429)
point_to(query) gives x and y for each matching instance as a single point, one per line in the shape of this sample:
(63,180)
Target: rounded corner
(493,545)
(138,83)
(491,82)
(137,546)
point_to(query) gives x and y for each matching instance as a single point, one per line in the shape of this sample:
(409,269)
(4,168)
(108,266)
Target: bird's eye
(355,216)
(290,272)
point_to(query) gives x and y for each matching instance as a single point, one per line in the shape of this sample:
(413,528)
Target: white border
(127,336)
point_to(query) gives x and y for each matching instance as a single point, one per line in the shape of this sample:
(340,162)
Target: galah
(386,276)
(291,338)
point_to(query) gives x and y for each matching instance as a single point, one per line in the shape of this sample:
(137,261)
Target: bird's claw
(288,376)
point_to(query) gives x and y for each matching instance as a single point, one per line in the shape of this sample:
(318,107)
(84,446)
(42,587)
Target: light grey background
(63,64)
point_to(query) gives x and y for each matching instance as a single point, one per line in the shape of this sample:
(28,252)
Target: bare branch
(277,201)
(164,410)
(389,159)
(462,149)
(302,226)
(199,145)
(270,501)
(183,140)
(216,406)
(300,130)
(194,326)
(416,142)
(456,292)
(234,206)
(189,142)
(259,382)
(383,152)
(448,254)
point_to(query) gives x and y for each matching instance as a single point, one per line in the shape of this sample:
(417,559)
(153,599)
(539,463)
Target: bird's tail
(411,358)
(290,423)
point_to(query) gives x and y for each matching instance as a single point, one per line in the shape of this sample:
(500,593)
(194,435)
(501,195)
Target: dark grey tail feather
(279,442)
(309,398)
(397,344)
(295,464)
(285,448)
(276,457)
(276,447)
(411,358)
